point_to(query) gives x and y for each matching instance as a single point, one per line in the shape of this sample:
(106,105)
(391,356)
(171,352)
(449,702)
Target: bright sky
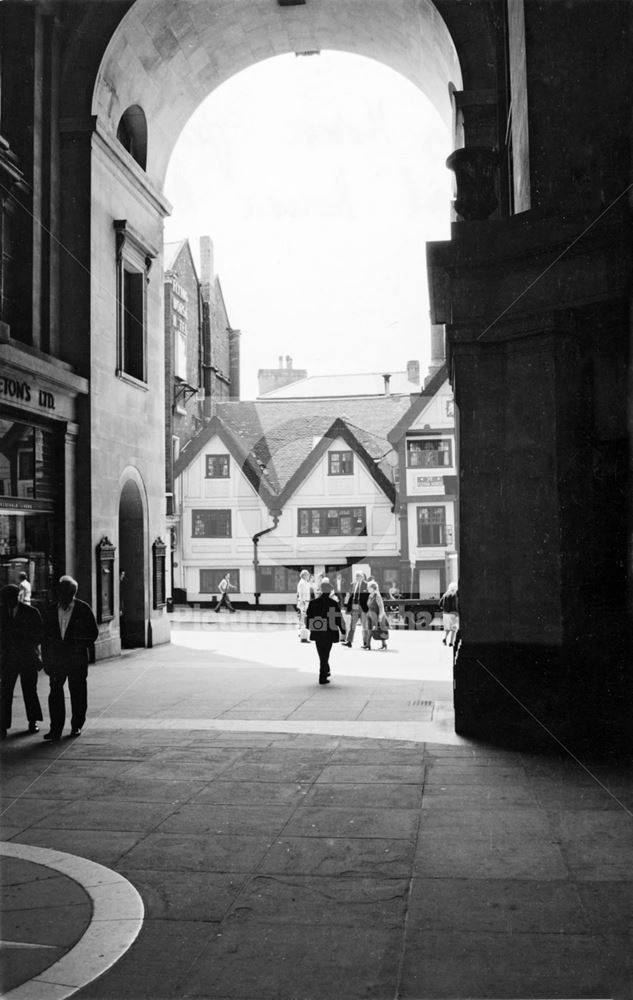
(319,180)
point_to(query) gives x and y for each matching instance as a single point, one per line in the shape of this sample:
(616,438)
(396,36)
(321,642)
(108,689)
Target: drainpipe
(256,538)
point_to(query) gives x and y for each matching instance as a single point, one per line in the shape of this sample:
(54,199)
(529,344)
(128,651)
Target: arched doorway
(132,573)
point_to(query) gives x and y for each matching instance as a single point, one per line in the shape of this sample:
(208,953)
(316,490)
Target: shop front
(37,437)
(29,470)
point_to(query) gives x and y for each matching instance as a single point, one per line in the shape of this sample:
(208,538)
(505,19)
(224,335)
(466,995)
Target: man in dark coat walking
(70,630)
(20,636)
(326,625)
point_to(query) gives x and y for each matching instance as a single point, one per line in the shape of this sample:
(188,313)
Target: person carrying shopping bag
(378,626)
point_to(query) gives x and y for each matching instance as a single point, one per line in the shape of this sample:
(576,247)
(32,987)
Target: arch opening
(173,64)
(132,134)
(132,559)
(349,186)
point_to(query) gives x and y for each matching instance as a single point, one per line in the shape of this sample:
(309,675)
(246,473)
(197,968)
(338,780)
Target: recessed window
(340,463)
(332,521)
(132,133)
(211,524)
(133,353)
(134,259)
(210,580)
(218,467)
(431,453)
(431,526)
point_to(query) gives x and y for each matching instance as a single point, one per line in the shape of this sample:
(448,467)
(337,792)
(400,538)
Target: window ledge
(131,380)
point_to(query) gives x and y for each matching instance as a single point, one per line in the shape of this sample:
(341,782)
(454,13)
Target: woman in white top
(304,596)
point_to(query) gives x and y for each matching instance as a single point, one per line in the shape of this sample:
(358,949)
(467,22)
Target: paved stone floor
(296,842)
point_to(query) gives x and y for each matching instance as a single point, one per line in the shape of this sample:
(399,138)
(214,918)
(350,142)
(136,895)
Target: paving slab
(323,900)
(223,792)
(272,961)
(353,821)
(227,819)
(186,852)
(497,905)
(193,896)
(382,796)
(342,856)
(442,966)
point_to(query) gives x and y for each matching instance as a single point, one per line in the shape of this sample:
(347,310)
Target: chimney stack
(387,379)
(275,378)
(206,260)
(413,372)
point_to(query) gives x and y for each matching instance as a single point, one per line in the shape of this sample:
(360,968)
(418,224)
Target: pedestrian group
(320,611)
(60,643)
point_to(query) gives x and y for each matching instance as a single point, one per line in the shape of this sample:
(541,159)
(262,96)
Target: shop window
(278,579)
(386,576)
(28,489)
(432,453)
(210,580)
(211,524)
(431,526)
(134,260)
(217,466)
(340,463)
(28,465)
(332,521)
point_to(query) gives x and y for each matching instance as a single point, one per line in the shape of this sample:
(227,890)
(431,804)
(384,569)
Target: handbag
(380,631)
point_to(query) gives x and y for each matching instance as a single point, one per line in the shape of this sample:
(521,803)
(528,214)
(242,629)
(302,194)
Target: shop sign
(21,391)
(425,482)
(39,506)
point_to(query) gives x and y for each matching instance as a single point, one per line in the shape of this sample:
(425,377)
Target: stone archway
(501,286)
(168,58)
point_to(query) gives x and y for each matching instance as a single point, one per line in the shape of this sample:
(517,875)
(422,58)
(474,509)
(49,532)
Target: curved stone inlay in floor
(117,917)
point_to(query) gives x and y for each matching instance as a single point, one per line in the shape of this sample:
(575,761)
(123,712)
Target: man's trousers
(357,614)
(28,681)
(324,644)
(78,690)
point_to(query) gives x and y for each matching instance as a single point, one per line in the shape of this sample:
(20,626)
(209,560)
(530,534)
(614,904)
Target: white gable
(438,412)
(196,484)
(320,487)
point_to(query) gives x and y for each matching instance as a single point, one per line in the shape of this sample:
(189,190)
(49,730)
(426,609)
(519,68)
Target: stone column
(509,676)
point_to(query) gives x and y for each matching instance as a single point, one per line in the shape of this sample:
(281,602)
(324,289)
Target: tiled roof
(171,252)
(279,435)
(357,384)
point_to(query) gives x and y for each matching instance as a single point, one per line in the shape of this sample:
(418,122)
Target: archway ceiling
(169,55)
